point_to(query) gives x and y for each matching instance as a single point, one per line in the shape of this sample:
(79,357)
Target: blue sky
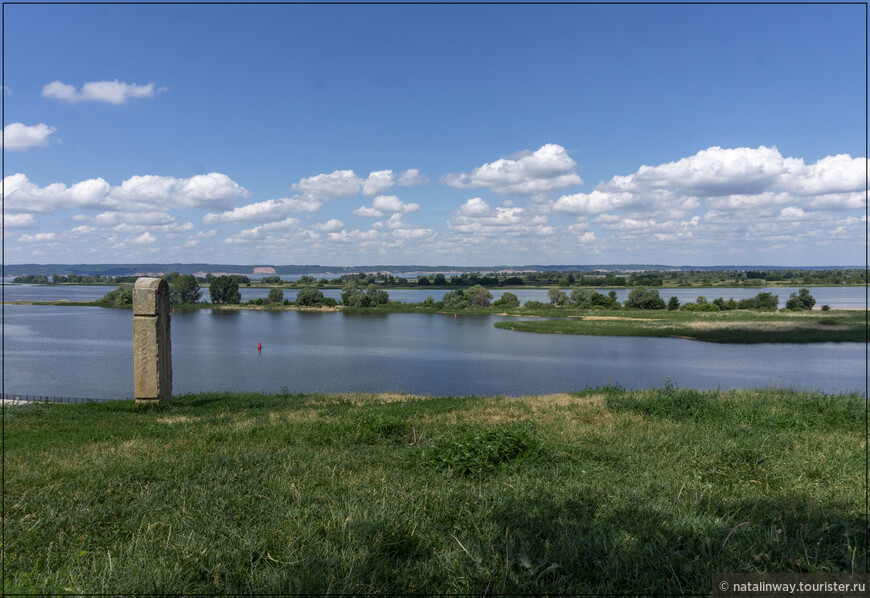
(427,134)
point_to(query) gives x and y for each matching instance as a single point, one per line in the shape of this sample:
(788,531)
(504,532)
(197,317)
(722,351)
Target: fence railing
(22,399)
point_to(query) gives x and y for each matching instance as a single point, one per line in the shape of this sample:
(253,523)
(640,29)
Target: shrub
(309,296)
(507,300)
(643,298)
(802,300)
(121,296)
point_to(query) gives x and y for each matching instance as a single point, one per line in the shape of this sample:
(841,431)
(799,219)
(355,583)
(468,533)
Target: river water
(87,352)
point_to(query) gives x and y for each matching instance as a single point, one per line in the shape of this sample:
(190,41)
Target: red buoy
(259,347)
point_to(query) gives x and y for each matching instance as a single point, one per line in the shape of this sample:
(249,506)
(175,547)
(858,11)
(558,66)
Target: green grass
(597,491)
(739,326)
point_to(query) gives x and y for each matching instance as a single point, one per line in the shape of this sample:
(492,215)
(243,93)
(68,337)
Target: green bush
(122,296)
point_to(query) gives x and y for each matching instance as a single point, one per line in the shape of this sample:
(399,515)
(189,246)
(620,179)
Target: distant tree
(377,296)
(184,289)
(532,304)
(121,296)
(766,301)
(673,304)
(309,296)
(643,298)
(557,297)
(506,300)
(801,300)
(275,296)
(596,299)
(612,296)
(478,296)
(455,299)
(579,297)
(423,281)
(224,289)
(271,280)
(352,296)
(439,280)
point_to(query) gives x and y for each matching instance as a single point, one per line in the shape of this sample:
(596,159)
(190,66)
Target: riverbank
(737,326)
(601,491)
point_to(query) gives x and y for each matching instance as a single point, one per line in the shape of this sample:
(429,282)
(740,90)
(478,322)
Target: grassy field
(738,326)
(597,491)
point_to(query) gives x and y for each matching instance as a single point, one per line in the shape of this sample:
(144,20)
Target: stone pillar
(152,351)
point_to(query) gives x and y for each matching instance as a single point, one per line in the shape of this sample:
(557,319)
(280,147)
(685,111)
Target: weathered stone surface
(152,349)
(148,294)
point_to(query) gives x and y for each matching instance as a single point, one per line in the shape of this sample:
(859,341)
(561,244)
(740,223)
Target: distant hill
(248,269)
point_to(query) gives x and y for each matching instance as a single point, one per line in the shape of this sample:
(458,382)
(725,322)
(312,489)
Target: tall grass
(599,491)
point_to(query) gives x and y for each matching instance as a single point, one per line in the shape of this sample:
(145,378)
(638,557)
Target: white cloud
(378,182)
(18,220)
(261,211)
(18,136)
(411,178)
(340,183)
(738,179)
(329,226)
(367,212)
(385,204)
(391,203)
(583,203)
(792,213)
(145,238)
(476,217)
(474,207)
(147,192)
(830,175)
(255,233)
(113,92)
(37,238)
(528,173)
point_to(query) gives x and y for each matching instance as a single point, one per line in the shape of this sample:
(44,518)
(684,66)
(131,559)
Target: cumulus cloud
(18,220)
(331,225)
(412,178)
(527,173)
(367,212)
(340,183)
(391,203)
(257,231)
(378,182)
(739,179)
(477,217)
(113,92)
(386,204)
(145,238)
(149,192)
(18,136)
(261,211)
(37,238)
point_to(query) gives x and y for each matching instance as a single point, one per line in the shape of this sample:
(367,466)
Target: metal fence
(22,399)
